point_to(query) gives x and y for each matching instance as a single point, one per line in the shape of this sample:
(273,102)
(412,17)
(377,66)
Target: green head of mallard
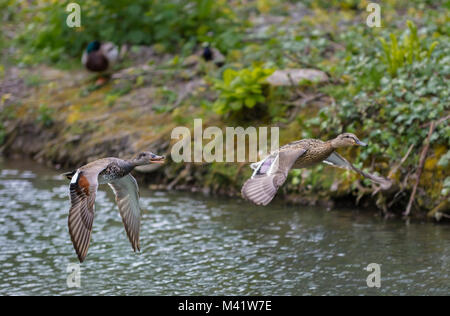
(93,47)
(346,140)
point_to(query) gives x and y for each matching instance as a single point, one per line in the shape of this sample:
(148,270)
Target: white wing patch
(75,177)
(267,166)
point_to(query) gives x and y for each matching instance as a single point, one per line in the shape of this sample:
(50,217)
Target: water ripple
(192,245)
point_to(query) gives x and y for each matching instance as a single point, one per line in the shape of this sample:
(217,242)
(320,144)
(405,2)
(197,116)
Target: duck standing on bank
(99,57)
(271,172)
(212,54)
(83,188)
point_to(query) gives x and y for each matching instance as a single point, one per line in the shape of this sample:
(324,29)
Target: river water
(197,245)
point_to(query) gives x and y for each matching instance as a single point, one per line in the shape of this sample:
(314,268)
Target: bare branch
(423,156)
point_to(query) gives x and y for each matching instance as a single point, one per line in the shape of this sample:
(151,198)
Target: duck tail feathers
(259,190)
(69,174)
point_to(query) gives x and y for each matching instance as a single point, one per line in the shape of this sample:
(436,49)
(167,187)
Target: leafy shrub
(397,54)
(171,23)
(393,114)
(240,90)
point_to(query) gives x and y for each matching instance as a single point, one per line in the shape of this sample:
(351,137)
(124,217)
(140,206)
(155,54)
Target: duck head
(93,46)
(346,140)
(147,157)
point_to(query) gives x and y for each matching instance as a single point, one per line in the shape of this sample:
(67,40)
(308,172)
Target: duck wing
(338,161)
(83,189)
(110,51)
(127,197)
(269,175)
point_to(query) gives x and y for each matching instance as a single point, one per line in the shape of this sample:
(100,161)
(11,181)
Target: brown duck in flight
(271,172)
(83,188)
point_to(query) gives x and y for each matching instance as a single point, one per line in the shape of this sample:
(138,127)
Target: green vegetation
(170,23)
(2,134)
(240,91)
(44,115)
(387,85)
(7,113)
(396,54)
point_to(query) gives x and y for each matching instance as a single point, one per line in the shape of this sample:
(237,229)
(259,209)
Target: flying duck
(271,172)
(83,188)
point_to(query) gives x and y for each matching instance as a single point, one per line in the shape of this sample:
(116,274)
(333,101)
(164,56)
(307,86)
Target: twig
(395,168)
(399,193)
(361,191)
(183,174)
(442,119)
(423,156)
(438,211)
(293,85)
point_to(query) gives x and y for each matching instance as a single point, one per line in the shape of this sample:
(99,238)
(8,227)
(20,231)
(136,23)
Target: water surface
(195,245)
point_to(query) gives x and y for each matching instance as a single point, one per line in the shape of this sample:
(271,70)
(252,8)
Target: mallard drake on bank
(83,188)
(99,57)
(271,172)
(212,54)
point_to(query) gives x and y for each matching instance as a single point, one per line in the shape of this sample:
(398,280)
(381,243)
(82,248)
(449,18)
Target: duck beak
(360,143)
(157,159)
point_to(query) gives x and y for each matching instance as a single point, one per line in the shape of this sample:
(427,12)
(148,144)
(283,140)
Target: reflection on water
(193,245)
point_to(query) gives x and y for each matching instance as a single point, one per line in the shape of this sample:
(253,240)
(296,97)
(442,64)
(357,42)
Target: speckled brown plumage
(272,171)
(316,151)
